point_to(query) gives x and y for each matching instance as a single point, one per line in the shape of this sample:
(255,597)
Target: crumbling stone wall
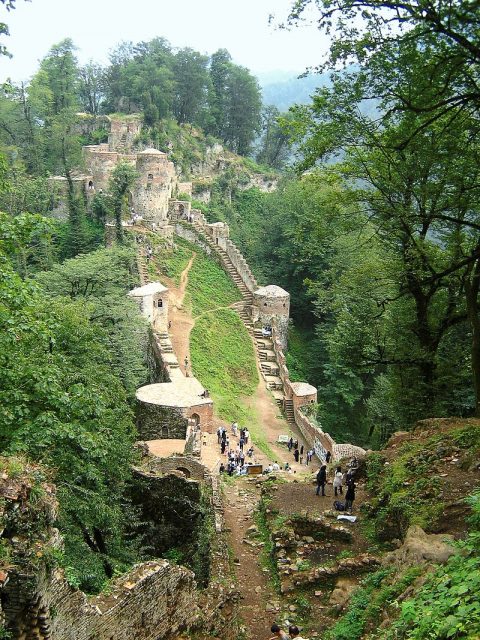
(241,266)
(155,422)
(170,511)
(195,470)
(189,233)
(150,602)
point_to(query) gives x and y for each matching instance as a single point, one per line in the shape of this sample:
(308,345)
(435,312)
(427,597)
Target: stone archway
(195,420)
(186,472)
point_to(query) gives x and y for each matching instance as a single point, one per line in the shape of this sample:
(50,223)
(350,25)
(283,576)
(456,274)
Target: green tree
(191,81)
(91,87)
(274,143)
(122,179)
(243,107)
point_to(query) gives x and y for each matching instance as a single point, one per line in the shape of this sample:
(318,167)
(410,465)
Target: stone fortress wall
(154,197)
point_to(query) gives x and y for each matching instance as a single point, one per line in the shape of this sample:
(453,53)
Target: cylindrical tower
(154,186)
(272,307)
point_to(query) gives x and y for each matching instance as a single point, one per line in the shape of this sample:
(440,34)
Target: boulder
(419,547)
(340,595)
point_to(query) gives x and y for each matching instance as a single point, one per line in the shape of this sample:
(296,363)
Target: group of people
(339,479)
(236,462)
(280,634)
(299,452)
(134,217)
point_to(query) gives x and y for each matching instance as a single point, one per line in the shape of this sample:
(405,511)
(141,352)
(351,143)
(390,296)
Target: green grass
(209,286)
(167,261)
(224,360)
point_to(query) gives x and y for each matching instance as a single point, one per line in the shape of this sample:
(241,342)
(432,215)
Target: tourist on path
(321,479)
(328,457)
(234,428)
(290,444)
(294,632)
(278,633)
(350,494)
(246,435)
(338,481)
(296,455)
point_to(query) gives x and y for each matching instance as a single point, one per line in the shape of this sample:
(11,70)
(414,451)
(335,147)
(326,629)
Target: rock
(308,539)
(292,608)
(419,547)
(318,594)
(293,567)
(252,529)
(258,589)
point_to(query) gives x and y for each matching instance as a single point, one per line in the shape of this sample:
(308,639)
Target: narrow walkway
(181,322)
(241,500)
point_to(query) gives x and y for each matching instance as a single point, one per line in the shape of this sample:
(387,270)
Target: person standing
(328,457)
(350,494)
(290,444)
(338,481)
(296,455)
(321,479)
(246,435)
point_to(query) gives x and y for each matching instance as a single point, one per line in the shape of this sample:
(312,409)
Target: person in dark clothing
(350,494)
(321,479)
(328,457)
(290,444)
(223,446)
(296,455)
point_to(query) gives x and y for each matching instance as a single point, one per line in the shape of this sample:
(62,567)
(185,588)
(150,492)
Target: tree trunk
(471,297)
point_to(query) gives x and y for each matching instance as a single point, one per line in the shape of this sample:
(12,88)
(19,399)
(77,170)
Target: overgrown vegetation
(63,404)
(408,490)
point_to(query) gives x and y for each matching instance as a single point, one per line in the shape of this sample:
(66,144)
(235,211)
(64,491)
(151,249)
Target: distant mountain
(283,89)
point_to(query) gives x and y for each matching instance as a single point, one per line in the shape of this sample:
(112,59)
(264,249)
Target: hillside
(292,90)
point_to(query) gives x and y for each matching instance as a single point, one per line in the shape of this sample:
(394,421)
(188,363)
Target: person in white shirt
(338,481)
(275,466)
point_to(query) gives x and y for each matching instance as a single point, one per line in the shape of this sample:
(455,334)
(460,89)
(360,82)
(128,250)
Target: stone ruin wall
(155,422)
(153,601)
(241,266)
(191,235)
(124,132)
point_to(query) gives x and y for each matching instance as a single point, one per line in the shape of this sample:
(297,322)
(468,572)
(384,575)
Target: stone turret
(271,306)
(153,301)
(154,187)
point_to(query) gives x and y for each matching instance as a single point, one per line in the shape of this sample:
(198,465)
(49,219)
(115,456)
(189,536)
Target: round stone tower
(154,186)
(271,306)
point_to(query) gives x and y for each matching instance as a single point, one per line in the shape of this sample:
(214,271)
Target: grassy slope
(224,360)
(167,261)
(209,287)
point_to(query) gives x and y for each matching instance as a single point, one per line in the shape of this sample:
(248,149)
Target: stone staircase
(264,345)
(289,413)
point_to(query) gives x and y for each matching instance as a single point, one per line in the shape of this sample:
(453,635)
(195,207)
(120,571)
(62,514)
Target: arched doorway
(195,421)
(165,433)
(185,471)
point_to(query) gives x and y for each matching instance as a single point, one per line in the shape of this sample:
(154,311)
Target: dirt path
(241,500)
(181,322)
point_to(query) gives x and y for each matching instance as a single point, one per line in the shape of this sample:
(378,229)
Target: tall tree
(191,82)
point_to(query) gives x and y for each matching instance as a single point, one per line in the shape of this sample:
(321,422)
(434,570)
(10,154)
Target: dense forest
(373,229)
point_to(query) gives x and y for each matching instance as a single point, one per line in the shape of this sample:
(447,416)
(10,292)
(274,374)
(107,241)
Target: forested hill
(288,90)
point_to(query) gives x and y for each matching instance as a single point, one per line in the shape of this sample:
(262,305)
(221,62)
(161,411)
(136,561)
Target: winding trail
(241,497)
(182,322)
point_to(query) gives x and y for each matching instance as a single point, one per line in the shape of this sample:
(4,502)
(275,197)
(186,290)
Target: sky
(96,26)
